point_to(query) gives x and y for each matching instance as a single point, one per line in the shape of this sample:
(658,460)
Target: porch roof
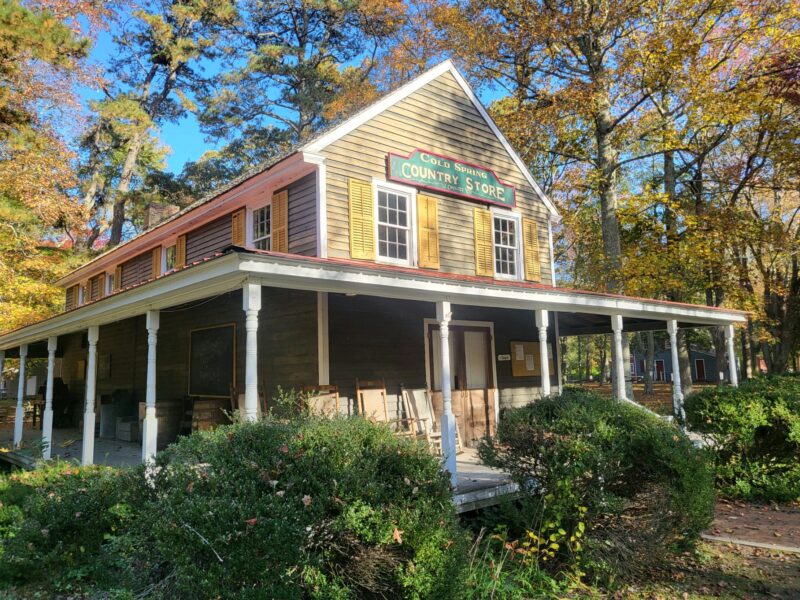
(230,270)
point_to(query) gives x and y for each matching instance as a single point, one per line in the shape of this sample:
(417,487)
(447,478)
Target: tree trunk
(684,363)
(650,362)
(753,348)
(580,359)
(747,365)
(124,186)
(720,351)
(603,361)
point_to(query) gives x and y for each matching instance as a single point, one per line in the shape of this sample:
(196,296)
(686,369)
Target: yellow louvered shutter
(156,269)
(117,278)
(362,220)
(428,226)
(237,228)
(280,221)
(530,240)
(180,252)
(484,253)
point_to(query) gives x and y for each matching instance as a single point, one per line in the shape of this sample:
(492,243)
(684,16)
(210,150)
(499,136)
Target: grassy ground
(723,571)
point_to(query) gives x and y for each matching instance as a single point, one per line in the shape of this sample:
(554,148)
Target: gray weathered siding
(376,338)
(440,118)
(303,216)
(208,239)
(287,347)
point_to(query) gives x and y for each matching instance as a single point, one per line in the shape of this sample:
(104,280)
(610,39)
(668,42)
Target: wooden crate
(208,413)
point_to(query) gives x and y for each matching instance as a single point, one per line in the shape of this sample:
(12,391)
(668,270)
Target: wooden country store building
(407,244)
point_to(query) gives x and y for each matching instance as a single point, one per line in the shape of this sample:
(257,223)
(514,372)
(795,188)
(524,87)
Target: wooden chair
(373,405)
(323,400)
(371,398)
(418,406)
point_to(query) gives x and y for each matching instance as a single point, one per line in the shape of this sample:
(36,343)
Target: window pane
(505,246)
(393,229)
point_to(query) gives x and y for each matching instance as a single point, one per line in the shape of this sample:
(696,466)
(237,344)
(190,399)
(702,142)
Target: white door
(476,354)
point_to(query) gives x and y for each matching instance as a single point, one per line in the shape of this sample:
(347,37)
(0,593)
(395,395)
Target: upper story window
(169,258)
(262,228)
(109,283)
(395,231)
(506,240)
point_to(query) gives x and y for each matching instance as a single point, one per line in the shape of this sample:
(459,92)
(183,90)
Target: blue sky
(184,139)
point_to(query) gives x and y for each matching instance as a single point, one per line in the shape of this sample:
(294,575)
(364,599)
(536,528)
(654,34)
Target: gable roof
(325,138)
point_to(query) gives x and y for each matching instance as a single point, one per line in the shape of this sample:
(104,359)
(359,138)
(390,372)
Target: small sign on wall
(503,358)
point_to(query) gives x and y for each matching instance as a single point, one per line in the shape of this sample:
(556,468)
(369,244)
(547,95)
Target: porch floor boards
(478,485)
(67,445)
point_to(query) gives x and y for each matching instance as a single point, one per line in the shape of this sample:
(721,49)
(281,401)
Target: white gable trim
(499,134)
(390,100)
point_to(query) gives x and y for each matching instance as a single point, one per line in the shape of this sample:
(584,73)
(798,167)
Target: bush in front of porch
(316,508)
(304,508)
(612,489)
(754,434)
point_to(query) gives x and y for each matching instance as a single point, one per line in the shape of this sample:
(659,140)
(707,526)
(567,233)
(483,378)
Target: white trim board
(318,145)
(230,271)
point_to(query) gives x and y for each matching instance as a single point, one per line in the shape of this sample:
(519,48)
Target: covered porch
(477,346)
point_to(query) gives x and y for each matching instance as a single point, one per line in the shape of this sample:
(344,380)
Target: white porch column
(619,359)
(729,338)
(150,424)
(541,323)
(677,391)
(557,357)
(20,414)
(251,304)
(443,316)
(47,416)
(323,355)
(87,456)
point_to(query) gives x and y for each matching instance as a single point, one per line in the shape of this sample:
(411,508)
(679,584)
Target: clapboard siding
(137,269)
(303,216)
(510,326)
(208,239)
(440,118)
(394,351)
(287,354)
(287,340)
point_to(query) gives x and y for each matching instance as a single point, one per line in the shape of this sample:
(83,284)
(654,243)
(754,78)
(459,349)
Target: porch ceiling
(588,311)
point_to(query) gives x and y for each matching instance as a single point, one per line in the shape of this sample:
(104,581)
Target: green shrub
(612,488)
(754,433)
(298,509)
(326,508)
(55,522)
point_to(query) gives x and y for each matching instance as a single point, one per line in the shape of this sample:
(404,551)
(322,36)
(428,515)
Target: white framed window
(506,242)
(395,223)
(109,283)
(170,253)
(262,228)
